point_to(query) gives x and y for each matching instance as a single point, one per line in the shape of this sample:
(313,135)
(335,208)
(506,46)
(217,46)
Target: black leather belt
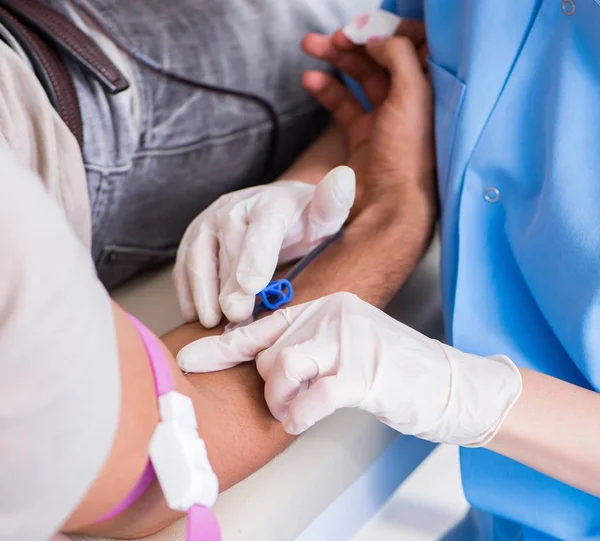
(46,35)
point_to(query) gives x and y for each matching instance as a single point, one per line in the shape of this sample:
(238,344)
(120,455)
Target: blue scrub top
(517,112)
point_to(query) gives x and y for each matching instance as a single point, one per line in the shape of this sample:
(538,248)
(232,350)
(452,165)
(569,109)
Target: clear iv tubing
(155,67)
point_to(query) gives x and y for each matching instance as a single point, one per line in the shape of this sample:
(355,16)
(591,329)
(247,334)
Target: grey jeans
(149,174)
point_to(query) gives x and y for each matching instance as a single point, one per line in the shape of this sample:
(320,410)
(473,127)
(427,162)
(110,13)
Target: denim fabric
(149,174)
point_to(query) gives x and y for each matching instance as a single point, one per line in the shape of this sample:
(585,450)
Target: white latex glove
(341,352)
(229,253)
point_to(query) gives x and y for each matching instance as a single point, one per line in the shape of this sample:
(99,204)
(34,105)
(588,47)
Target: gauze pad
(377,24)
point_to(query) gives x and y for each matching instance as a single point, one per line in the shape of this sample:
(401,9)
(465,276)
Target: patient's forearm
(376,254)
(240,433)
(328,151)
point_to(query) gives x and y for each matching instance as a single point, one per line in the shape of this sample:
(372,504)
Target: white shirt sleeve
(59,373)
(32,129)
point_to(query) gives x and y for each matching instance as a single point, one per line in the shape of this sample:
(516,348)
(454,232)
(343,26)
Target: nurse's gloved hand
(340,352)
(229,253)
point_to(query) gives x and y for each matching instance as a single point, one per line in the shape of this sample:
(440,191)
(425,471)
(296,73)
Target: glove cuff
(506,399)
(483,390)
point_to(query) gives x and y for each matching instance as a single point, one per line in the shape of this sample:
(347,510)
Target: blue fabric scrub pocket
(448,92)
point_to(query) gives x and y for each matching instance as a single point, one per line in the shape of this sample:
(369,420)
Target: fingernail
(345,187)
(252,284)
(210,319)
(376,39)
(237,306)
(183,359)
(290,428)
(280,415)
(294,429)
(227,301)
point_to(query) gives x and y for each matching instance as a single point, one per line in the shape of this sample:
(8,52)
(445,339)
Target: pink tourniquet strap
(136,493)
(163,383)
(163,380)
(202,525)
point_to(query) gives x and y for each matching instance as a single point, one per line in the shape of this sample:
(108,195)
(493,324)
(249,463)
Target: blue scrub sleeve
(409,9)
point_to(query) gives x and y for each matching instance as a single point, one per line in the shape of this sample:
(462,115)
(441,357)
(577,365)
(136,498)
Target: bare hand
(391,147)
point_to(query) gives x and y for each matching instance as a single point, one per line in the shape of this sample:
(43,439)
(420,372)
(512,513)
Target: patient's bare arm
(239,432)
